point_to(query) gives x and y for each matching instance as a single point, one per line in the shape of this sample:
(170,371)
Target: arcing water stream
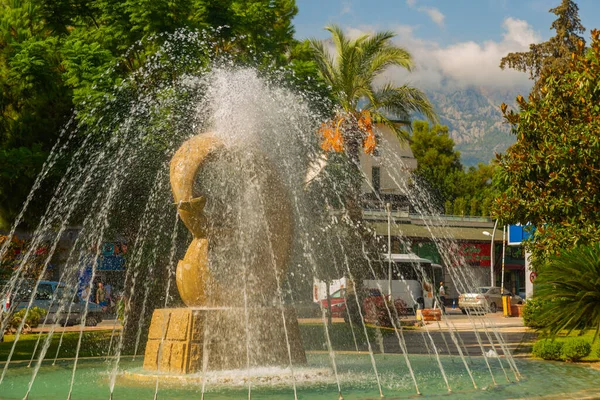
(116,184)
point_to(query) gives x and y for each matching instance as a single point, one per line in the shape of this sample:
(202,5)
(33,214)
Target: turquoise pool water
(314,381)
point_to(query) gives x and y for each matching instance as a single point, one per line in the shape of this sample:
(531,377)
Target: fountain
(218,316)
(208,166)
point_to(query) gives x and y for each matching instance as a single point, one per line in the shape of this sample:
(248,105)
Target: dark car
(375,307)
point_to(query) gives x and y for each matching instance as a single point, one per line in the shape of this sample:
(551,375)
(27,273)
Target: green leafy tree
(474,209)
(554,54)
(567,285)
(306,76)
(438,164)
(448,207)
(440,170)
(60,55)
(460,206)
(551,174)
(486,204)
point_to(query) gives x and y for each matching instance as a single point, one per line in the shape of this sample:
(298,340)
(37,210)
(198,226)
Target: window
(44,292)
(376,178)
(404,271)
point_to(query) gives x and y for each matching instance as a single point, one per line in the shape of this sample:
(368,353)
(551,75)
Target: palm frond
(569,286)
(403,101)
(390,56)
(395,125)
(324,61)
(357,63)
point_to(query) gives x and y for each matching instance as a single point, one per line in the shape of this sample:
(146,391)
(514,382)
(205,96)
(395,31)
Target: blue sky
(457,42)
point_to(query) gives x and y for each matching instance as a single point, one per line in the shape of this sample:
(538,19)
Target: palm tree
(569,288)
(351,73)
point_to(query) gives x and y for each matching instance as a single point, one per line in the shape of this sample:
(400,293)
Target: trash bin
(506,301)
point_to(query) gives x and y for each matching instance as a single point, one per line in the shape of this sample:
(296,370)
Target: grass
(93,343)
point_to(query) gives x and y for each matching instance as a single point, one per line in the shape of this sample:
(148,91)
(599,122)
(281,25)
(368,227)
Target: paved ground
(107,324)
(473,333)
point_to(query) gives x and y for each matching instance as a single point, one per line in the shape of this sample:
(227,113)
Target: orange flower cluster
(366,125)
(332,137)
(333,140)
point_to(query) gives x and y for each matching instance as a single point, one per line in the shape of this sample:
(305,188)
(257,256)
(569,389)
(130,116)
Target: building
(412,232)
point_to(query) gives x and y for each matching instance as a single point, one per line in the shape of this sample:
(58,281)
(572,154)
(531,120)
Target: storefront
(110,269)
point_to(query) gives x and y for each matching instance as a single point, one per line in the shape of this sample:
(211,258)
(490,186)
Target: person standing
(109,297)
(101,296)
(442,296)
(85,293)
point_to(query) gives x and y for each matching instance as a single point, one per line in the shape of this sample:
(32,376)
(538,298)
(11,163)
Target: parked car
(373,306)
(46,291)
(484,299)
(378,308)
(338,303)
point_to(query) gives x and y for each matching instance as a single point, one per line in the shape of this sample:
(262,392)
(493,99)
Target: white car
(485,299)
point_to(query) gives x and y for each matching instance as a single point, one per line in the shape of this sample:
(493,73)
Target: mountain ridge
(475,121)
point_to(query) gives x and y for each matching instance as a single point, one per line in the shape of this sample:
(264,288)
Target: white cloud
(464,64)
(354,33)
(435,15)
(460,64)
(518,31)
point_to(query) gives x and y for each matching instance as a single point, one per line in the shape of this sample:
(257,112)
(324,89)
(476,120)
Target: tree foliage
(438,164)
(460,191)
(551,173)
(60,55)
(554,54)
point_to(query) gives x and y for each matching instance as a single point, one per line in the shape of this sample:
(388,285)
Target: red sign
(532,276)
(476,253)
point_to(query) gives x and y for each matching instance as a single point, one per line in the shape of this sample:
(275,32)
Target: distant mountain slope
(474,120)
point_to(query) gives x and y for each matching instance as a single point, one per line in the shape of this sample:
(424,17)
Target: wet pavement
(106,324)
(475,335)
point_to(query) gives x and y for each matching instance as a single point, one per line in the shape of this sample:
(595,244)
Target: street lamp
(486,233)
(388,208)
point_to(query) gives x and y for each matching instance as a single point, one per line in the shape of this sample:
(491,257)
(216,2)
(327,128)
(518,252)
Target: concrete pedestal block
(181,339)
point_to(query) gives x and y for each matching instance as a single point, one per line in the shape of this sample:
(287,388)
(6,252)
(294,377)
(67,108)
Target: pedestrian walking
(442,296)
(101,296)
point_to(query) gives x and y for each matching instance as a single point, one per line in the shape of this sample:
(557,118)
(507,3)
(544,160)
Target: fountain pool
(314,381)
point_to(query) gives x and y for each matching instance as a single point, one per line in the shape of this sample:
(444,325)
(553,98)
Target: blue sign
(111,263)
(518,233)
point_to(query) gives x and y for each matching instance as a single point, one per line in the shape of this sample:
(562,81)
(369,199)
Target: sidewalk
(107,324)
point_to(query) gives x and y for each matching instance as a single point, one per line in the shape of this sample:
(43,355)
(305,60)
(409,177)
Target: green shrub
(598,351)
(574,349)
(548,349)
(34,316)
(531,313)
